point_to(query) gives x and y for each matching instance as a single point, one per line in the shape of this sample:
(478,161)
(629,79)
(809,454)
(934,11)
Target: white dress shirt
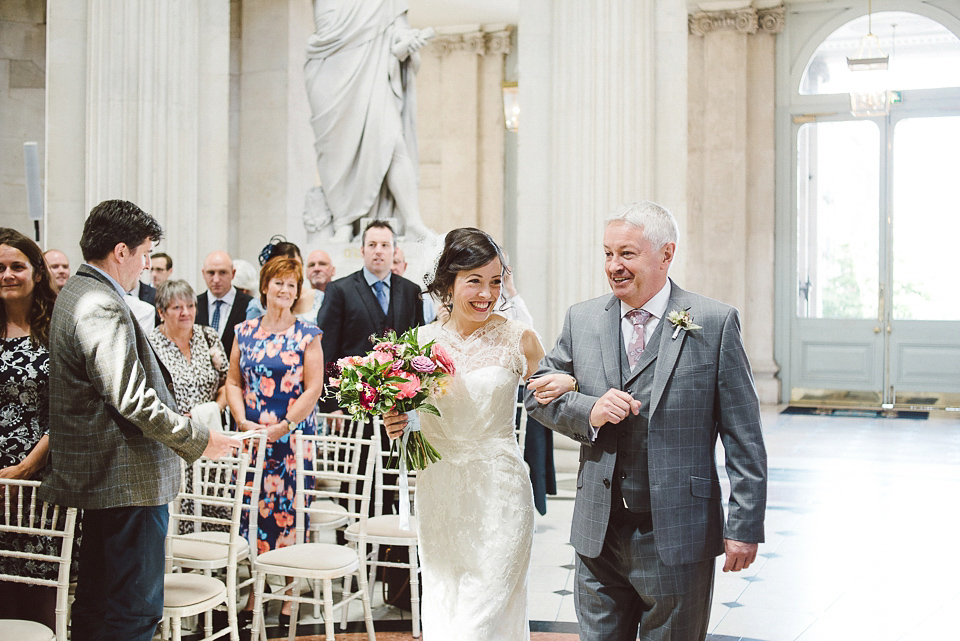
(657,306)
(227,299)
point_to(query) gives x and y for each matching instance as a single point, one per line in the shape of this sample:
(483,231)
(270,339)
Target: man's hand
(739,555)
(219,445)
(613,407)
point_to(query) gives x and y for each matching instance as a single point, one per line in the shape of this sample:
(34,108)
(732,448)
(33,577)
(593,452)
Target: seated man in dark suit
(221,307)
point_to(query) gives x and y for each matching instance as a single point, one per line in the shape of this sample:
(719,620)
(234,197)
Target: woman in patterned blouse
(192,353)
(27,295)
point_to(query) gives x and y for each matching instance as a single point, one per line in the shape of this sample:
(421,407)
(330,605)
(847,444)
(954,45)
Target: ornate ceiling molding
(747,20)
(477,42)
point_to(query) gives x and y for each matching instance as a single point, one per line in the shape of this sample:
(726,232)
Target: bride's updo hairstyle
(463,249)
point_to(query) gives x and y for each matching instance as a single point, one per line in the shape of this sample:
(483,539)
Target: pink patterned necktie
(639,318)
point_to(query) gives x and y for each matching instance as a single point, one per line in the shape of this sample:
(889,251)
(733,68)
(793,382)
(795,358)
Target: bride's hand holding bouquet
(396,377)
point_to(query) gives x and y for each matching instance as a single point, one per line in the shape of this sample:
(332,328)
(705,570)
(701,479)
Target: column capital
(747,20)
(480,42)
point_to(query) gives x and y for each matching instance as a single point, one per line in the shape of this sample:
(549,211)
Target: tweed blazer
(702,388)
(114,439)
(238,314)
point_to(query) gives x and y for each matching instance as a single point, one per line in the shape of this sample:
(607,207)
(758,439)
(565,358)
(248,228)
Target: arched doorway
(869,304)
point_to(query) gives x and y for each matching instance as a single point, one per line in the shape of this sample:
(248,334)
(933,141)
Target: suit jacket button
(606,483)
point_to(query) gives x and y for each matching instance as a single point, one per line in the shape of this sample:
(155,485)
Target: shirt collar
(371,279)
(111,279)
(657,305)
(228,298)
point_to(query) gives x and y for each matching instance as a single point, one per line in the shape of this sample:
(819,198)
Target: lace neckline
(481,331)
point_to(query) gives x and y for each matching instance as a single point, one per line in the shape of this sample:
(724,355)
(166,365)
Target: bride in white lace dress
(475,506)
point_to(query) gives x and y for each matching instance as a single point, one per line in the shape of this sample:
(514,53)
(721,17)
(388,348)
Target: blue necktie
(215,321)
(381,290)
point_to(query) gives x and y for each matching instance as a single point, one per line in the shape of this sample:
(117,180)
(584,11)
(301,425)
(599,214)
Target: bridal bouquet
(399,373)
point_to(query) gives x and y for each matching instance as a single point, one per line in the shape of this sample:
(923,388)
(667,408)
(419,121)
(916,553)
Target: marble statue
(360,69)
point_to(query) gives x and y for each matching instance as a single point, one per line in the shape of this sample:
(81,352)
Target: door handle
(876,329)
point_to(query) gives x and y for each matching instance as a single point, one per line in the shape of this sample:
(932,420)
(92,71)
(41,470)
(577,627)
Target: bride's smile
(474,293)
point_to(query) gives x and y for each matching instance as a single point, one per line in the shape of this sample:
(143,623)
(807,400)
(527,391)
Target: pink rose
(385,346)
(423,364)
(443,360)
(410,388)
(382,357)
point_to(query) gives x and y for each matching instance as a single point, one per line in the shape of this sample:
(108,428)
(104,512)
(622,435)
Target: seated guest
(26,305)
(59,266)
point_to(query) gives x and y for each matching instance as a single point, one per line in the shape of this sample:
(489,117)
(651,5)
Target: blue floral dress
(272,369)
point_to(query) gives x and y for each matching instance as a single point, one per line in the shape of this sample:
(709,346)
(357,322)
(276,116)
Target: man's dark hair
(113,222)
(373,224)
(165,257)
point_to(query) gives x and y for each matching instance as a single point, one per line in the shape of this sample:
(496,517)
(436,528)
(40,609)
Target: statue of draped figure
(360,78)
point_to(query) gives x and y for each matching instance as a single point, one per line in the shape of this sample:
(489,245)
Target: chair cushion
(333,516)
(200,546)
(181,590)
(310,556)
(386,526)
(17,630)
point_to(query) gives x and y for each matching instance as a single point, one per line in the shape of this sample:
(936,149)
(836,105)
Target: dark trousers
(120,585)
(628,592)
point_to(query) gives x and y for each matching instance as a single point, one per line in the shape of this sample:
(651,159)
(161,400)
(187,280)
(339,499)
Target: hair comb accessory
(267,252)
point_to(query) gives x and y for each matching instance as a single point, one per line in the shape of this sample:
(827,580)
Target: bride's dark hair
(464,248)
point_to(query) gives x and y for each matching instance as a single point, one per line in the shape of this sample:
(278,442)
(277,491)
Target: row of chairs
(346,473)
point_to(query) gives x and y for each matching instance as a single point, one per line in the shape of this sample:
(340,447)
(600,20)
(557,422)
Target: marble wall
(23,42)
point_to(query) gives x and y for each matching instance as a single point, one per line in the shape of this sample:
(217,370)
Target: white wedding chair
(335,473)
(334,516)
(216,483)
(384,529)
(208,550)
(22,513)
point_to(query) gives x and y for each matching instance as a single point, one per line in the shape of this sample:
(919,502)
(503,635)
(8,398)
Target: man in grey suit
(114,437)
(661,373)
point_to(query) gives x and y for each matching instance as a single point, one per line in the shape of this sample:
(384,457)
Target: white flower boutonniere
(682,320)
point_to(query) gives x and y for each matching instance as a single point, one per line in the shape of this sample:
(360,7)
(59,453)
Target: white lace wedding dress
(475,506)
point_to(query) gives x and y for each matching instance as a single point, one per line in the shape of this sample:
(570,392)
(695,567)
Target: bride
(475,506)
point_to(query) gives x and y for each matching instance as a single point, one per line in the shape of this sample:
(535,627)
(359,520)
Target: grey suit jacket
(702,387)
(114,439)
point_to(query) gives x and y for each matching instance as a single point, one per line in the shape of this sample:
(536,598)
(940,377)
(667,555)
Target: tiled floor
(862,531)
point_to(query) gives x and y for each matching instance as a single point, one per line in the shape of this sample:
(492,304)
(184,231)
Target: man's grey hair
(174,290)
(658,225)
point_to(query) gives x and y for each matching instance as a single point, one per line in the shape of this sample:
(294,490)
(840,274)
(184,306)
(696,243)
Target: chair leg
(175,624)
(208,615)
(259,626)
(345,603)
(232,606)
(373,558)
(367,609)
(328,608)
(414,591)
(294,611)
(317,591)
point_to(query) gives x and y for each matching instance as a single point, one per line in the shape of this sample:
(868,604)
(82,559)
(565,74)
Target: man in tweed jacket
(648,519)
(114,437)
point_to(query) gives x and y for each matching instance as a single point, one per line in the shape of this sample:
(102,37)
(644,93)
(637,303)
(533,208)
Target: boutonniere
(681,320)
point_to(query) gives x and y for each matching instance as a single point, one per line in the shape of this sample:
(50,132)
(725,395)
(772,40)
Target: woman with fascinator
(308,304)
(475,506)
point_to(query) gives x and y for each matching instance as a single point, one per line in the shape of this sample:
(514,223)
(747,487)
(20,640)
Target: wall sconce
(511,106)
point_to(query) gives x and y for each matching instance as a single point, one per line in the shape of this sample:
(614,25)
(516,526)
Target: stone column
(137,96)
(731,170)
(460,128)
(274,142)
(602,122)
